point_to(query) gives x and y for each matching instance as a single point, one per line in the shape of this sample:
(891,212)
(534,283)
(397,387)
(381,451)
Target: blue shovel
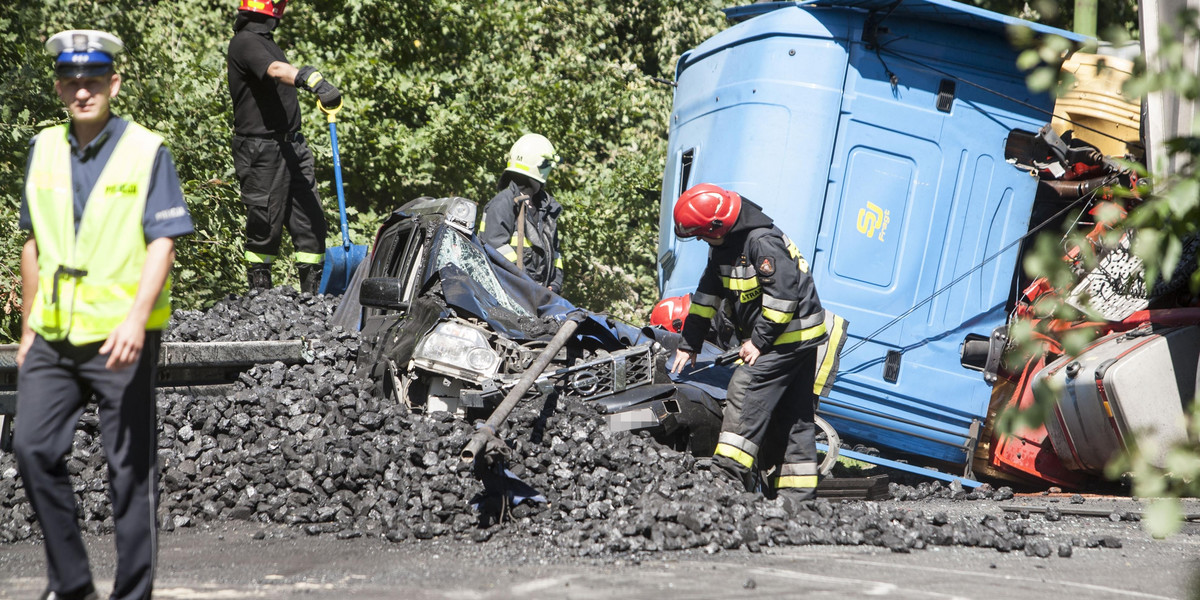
(340,262)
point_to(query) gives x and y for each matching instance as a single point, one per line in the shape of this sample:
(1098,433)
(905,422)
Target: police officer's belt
(294,136)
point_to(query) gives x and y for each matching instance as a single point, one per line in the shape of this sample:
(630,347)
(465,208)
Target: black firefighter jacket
(541,258)
(765,284)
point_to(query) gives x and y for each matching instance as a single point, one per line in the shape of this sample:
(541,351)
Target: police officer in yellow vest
(103,205)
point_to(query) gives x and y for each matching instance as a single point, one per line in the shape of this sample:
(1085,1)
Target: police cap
(83,53)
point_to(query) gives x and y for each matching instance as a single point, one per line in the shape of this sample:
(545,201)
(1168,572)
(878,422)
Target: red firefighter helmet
(271,8)
(707,211)
(669,313)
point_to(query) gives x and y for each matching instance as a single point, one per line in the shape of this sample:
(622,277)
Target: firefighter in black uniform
(773,304)
(534,246)
(273,163)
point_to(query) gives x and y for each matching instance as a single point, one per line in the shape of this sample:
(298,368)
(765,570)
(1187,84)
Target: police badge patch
(766,267)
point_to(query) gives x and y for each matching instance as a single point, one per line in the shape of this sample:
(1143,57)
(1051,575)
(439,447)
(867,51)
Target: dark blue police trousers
(53,385)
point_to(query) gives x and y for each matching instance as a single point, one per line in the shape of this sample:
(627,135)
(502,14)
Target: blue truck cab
(874,133)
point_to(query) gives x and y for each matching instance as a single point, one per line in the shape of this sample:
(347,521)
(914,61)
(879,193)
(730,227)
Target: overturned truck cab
(883,136)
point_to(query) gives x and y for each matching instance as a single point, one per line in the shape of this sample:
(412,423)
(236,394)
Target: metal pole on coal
(488,429)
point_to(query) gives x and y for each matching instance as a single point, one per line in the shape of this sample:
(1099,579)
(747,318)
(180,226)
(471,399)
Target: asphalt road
(227,562)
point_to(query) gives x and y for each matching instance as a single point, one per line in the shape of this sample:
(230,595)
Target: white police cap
(83,52)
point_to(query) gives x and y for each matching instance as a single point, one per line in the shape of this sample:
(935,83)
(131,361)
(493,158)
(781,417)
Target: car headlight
(458,347)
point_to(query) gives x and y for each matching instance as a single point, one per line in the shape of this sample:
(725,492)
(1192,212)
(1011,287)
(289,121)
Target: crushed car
(447,324)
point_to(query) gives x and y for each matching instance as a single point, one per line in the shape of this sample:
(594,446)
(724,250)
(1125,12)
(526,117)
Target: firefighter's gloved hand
(311,80)
(329,95)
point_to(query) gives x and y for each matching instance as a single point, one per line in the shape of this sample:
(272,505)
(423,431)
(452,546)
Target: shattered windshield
(456,250)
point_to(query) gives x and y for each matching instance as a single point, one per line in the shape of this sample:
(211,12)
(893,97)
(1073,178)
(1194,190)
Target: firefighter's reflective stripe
(740,285)
(777,309)
(829,354)
(794,252)
(259,258)
(738,448)
(742,272)
(508,252)
(558,261)
(797,475)
(309,258)
(776,316)
(739,279)
(803,330)
(513,241)
(704,305)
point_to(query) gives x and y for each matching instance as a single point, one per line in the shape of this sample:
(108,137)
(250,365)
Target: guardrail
(179,364)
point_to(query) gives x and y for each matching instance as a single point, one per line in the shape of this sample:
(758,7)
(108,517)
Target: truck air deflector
(937,11)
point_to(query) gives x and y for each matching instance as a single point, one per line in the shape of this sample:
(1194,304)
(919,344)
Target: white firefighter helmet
(533,155)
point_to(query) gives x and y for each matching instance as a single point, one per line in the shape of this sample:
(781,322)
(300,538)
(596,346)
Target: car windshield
(454,249)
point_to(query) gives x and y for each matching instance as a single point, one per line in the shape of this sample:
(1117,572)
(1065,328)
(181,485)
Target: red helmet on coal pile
(669,313)
(271,8)
(707,211)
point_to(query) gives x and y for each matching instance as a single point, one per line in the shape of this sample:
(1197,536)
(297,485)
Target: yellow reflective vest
(87,281)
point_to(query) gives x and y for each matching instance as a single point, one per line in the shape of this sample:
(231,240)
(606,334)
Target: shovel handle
(330,113)
(331,116)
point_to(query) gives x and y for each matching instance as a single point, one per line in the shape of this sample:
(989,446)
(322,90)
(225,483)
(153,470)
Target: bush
(436,92)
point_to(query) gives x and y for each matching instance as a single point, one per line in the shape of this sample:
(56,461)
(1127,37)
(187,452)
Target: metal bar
(182,363)
(206,354)
(1085,512)
(1085,17)
(221,354)
(891,464)
(8,408)
(480,438)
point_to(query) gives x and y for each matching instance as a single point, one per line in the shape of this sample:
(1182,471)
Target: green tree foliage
(1116,19)
(1162,225)
(436,92)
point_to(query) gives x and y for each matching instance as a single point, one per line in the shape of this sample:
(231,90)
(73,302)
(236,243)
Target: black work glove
(311,80)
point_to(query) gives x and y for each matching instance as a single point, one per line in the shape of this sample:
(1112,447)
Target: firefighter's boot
(258,276)
(796,500)
(310,277)
(727,469)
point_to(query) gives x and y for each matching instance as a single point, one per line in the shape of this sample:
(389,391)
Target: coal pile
(278,314)
(312,446)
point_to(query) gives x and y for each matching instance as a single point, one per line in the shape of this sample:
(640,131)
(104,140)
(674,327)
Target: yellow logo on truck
(872,219)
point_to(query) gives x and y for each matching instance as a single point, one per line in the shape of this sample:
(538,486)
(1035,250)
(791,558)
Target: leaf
(1164,517)
(1184,197)
(1028,59)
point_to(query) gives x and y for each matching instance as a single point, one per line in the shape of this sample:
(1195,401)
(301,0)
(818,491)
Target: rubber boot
(310,277)
(796,500)
(258,276)
(730,471)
